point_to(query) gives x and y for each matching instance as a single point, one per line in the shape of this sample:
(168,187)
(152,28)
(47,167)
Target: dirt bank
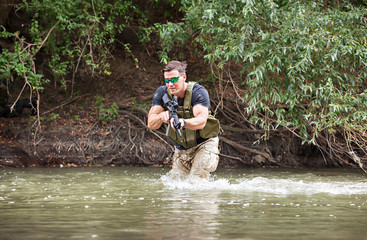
(72,134)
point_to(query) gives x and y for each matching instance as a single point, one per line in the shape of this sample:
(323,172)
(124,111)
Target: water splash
(268,185)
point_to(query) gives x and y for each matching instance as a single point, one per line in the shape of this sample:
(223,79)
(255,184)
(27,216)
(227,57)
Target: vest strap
(189,137)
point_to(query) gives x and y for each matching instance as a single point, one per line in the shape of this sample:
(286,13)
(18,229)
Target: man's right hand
(164,116)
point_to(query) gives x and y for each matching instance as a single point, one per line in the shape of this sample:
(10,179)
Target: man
(196,150)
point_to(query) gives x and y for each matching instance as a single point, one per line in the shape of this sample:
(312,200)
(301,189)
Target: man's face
(178,88)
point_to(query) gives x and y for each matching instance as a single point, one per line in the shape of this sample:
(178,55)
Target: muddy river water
(143,203)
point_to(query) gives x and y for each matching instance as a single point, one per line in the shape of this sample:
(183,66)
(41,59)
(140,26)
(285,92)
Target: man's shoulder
(198,87)
(200,96)
(157,97)
(161,90)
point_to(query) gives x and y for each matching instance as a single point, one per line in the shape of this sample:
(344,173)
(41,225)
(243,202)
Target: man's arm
(200,102)
(201,114)
(156,117)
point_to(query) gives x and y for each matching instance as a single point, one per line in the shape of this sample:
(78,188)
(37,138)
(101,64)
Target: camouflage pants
(198,161)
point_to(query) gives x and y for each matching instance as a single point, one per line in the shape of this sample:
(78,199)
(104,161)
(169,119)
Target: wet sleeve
(200,96)
(157,97)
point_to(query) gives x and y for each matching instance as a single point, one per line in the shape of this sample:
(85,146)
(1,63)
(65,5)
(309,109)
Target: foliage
(106,113)
(139,105)
(20,63)
(303,62)
(76,34)
(83,31)
(171,34)
(54,116)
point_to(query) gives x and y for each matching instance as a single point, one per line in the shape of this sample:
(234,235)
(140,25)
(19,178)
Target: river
(143,203)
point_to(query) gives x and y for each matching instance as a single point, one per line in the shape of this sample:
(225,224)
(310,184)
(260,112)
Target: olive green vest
(188,139)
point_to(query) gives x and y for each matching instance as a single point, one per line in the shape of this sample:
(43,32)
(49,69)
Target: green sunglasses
(173,80)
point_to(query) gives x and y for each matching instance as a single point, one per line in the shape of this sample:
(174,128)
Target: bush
(303,62)
(78,35)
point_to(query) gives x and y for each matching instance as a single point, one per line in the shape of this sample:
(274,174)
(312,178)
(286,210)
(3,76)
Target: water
(143,203)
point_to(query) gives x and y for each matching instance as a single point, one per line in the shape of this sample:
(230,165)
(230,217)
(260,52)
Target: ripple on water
(267,185)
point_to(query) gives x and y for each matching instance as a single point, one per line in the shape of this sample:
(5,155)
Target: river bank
(101,121)
(126,141)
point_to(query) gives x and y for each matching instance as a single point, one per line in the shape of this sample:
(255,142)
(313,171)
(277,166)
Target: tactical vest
(189,137)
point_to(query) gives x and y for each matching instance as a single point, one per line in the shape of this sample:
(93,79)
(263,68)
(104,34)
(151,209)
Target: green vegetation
(54,116)
(76,34)
(300,65)
(106,113)
(303,63)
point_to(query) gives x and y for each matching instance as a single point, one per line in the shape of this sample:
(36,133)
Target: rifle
(172,106)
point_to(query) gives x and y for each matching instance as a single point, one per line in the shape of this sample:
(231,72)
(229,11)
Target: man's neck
(182,93)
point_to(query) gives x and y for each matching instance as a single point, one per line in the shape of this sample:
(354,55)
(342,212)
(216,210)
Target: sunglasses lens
(173,80)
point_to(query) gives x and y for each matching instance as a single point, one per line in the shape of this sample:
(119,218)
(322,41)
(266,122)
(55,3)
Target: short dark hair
(176,65)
